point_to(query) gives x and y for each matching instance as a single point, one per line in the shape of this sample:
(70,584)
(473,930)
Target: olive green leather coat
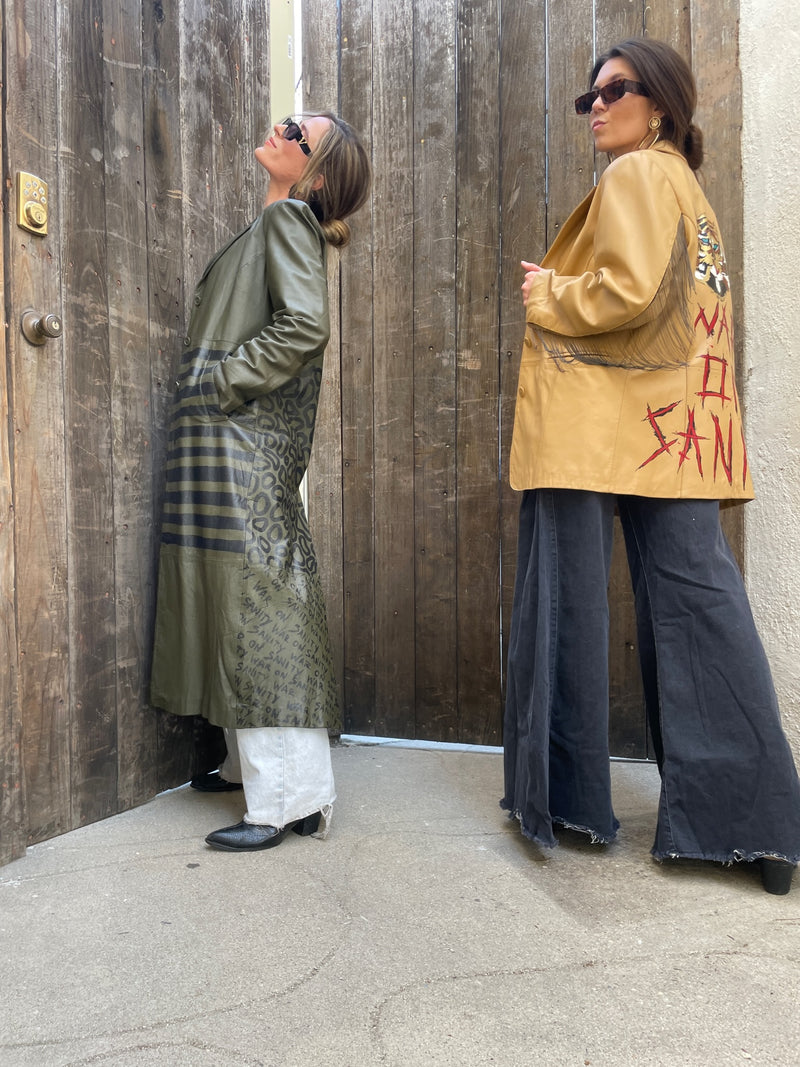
(241,635)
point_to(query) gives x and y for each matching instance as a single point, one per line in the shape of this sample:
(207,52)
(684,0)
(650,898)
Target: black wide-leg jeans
(729,787)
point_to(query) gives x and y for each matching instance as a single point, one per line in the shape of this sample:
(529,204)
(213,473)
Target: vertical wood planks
(393,362)
(93,728)
(165,287)
(325,474)
(131,408)
(360,289)
(324,482)
(570,152)
(670,23)
(478,271)
(523,185)
(545,149)
(715,61)
(12,840)
(434,367)
(222,122)
(33,270)
(615,22)
(158,108)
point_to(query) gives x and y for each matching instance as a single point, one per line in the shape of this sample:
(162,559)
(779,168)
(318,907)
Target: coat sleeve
(298,294)
(636,220)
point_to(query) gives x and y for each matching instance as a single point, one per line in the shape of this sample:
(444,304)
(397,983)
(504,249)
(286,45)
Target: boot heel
(309,825)
(776,875)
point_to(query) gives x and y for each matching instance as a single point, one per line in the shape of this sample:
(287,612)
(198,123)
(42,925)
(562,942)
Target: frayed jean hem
(728,859)
(552,842)
(596,838)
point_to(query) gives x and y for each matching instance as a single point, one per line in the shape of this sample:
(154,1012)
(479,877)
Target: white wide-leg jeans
(286,773)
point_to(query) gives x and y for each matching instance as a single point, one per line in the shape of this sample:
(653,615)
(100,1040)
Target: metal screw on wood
(37,328)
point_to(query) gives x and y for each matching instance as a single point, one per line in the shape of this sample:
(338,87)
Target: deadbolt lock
(32,206)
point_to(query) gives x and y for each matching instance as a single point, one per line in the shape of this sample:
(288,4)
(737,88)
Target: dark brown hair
(668,78)
(342,161)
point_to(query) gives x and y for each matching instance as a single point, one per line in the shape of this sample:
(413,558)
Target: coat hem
(725,496)
(228,722)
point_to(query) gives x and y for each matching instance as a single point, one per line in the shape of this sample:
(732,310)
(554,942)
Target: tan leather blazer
(626,382)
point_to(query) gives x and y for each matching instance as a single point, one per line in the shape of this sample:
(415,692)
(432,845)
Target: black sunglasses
(292,132)
(609,94)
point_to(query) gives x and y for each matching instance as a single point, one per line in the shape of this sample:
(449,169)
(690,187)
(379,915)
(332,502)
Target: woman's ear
(318,182)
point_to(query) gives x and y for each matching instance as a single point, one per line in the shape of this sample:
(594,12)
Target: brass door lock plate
(32,203)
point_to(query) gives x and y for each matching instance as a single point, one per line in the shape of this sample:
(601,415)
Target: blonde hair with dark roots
(342,161)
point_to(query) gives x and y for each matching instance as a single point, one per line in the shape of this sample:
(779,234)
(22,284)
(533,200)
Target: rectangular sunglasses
(609,94)
(292,132)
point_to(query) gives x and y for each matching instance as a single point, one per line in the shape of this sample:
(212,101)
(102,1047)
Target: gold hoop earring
(654,125)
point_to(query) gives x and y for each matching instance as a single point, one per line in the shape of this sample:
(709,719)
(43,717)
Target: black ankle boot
(309,825)
(776,875)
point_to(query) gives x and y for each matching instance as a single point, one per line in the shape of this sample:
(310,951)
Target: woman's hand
(531,270)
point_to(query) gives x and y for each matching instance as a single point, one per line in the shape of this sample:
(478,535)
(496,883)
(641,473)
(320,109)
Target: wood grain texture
(614,22)
(478,301)
(670,22)
(324,482)
(165,299)
(183,745)
(33,268)
(357,362)
(134,518)
(570,152)
(223,120)
(325,474)
(89,493)
(393,363)
(523,199)
(436,476)
(12,799)
(145,125)
(225,115)
(715,61)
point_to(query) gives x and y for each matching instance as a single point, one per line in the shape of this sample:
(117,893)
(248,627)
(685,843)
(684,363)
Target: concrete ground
(424,930)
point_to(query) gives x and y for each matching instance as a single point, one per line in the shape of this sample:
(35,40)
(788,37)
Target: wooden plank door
(142,119)
(479,158)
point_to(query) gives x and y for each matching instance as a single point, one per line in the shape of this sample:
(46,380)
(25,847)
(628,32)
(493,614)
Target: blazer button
(187,340)
(197,300)
(522,390)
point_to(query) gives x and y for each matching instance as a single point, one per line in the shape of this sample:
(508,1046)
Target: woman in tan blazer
(627,403)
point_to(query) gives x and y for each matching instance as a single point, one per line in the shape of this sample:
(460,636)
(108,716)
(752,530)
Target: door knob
(37,328)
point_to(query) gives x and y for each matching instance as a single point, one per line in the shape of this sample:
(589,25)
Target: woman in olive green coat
(241,636)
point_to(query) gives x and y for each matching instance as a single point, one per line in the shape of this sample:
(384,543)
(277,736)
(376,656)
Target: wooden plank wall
(144,124)
(38,473)
(479,158)
(11,795)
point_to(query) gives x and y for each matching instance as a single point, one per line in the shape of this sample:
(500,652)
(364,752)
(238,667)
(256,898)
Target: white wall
(282,58)
(770,60)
